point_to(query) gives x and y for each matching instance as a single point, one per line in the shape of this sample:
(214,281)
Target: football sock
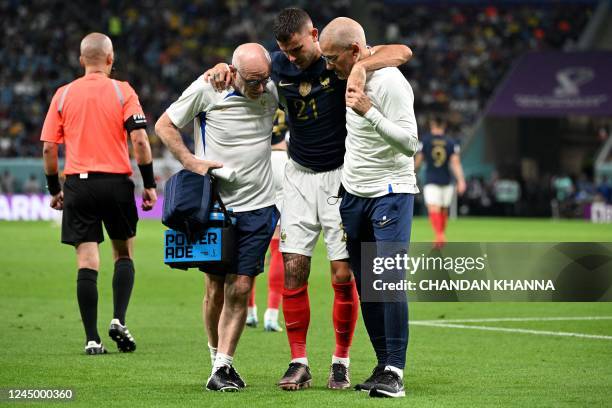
(271,315)
(222,360)
(436,222)
(276,279)
(300,360)
(251,302)
(339,360)
(443,220)
(213,354)
(396,370)
(345,312)
(87,296)
(296,308)
(123,282)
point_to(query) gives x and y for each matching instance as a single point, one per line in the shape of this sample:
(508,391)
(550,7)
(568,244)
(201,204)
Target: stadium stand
(462,52)
(160,46)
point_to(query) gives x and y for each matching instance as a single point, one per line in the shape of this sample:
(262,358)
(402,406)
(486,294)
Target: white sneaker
(252,321)
(272,326)
(93,348)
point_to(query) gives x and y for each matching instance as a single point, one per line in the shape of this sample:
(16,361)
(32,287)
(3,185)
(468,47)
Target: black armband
(53,184)
(137,121)
(148,179)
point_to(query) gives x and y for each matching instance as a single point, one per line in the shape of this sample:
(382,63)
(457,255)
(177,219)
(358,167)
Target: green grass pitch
(42,338)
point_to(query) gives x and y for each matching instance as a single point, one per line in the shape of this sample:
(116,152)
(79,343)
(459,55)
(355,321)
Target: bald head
(251,69)
(342,44)
(342,32)
(251,57)
(96,48)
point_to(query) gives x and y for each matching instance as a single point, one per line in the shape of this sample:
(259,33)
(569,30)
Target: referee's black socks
(123,282)
(87,295)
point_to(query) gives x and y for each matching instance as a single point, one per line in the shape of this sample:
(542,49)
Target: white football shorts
(441,196)
(310,205)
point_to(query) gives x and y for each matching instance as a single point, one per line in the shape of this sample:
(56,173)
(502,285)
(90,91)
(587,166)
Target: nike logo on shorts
(384,222)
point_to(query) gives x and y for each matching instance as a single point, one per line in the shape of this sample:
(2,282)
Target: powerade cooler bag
(202,233)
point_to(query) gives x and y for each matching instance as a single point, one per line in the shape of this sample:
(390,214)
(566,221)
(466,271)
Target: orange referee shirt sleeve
(53,128)
(131,107)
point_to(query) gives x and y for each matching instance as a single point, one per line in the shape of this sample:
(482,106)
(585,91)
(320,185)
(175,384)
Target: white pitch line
(516,319)
(509,330)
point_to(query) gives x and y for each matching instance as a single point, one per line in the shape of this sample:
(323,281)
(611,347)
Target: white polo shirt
(381,144)
(236,131)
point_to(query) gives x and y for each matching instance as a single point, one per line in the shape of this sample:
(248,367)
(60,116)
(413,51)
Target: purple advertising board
(155,213)
(36,207)
(553,83)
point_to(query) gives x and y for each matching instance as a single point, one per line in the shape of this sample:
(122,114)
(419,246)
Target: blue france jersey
(314,102)
(437,151)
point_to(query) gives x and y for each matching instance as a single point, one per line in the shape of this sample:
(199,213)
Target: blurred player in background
(313,98)
(234,128)
(91,116)
(276,274)
(380,184)
(441,155)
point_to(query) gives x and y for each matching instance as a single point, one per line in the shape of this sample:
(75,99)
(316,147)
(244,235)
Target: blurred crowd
(461,52)
(160,47)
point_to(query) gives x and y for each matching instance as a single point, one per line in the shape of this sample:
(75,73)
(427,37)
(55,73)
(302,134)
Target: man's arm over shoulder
(381,56)
(392,55)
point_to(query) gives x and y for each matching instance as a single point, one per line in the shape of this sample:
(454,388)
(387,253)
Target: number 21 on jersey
(302,108)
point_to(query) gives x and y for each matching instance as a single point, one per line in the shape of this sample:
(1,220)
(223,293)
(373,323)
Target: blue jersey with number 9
(437,151)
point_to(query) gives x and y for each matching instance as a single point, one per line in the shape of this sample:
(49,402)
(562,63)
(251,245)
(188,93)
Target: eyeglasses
(254,83)
(331,59)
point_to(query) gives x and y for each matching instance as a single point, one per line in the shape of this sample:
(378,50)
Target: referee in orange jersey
(92,116)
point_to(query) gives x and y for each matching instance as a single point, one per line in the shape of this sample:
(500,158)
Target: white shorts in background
(309,206)
(440,196)
(279,161)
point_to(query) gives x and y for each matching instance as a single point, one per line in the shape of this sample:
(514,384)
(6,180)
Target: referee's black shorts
(98,198)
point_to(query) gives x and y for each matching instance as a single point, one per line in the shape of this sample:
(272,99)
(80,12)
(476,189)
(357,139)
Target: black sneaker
(388,385)
(296,377)
(338,377)
(235,377)
(222,381)
(121,335)
(371,380)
